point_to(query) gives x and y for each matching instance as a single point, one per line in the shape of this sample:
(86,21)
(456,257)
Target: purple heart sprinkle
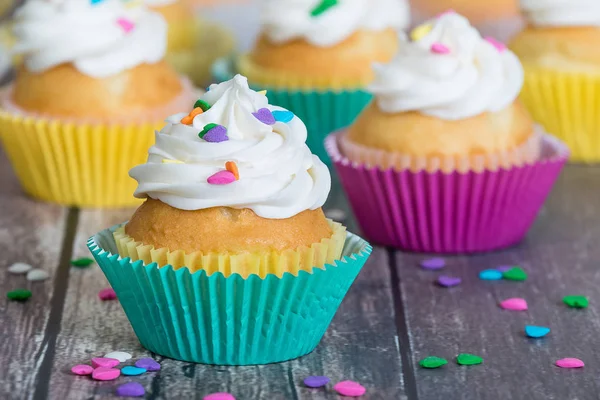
(147,363)
(265,116)
(316,381)
(130,389)
(504,268)
(216,135)
(433,263)
(448,281)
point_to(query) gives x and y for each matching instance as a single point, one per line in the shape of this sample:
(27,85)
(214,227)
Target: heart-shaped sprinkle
(98,362)
(82,262)
(323,6)
(118,355)
(468,359)
(448,281)
(433,263)
(420,32)
(19,294)
(515,274)
(107,294)
(132,371)
(536,331)
(148,364)
(265,116)
(130,389)
(205,130)
(216,134)
(283,116)
(219,396)
(167,161)
(106,374)
(569,363)
(576,301)
(202,104)
(37,275)
(189,119)
(221,178)
(263,92)
(490,275)
(232,167)
(19,268)
(432,362)
(349,388)
(316,381)
(496,43)
(126,24)
(514,304)
(82,369)
(439,48)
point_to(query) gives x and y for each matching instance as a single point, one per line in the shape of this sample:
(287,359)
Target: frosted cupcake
(84,104)
(438,145)
(562,71)
(233,220)
(314,57)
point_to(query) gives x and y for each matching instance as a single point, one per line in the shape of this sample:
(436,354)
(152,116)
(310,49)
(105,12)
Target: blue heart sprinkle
(536,331)
(283,116)
(96,1)
(132,371)
(490,275)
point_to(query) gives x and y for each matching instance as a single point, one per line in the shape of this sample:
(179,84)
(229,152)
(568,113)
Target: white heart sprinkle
(336,214)
(118,355)
(19,268)
(37,275)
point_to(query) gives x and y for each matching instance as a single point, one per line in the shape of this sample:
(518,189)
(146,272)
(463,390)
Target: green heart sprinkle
(575,301)
(432,362)
(468,359)
(322,7)
(207,128)
(19,294)
(202,104)
(515,274)
(82,262)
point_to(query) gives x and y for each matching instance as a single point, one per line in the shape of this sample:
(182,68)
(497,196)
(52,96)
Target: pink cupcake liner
(438,212)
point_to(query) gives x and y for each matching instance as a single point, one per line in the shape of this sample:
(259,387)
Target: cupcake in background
(562,71)
(314,57)
(249,269)
(85,101)
(446,159)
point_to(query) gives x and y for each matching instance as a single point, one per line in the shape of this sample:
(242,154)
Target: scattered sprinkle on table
(514,304)
(130,370)
(219,396)
(148,364)
(316,381)
(107,294)
(448,281)
(98,362)
(468,359)
(576,301)
(433,263)
(19,294)
(515,274)
(534,331)
(19,268)
(82,369)
(130,389)
(118,355)
(432,362)
(490,275)
(106,374)
(37,275)
(569,363)
(349,388)
(82,262)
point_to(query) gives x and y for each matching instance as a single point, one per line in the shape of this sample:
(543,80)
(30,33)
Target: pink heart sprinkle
(107,294)
(219,396)
(106,374)
(514,304)
(349,388)
(82,369)
(104,362)
(221,178)
(439,48)
(126,24)
(569,363)
(496,43)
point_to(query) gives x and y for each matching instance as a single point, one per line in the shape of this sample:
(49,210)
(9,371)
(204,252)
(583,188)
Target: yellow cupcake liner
(567,104)
(245,264)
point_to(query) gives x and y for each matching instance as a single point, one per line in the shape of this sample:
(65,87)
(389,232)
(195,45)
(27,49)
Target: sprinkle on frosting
(203,105)
(216,134)
(188,119)
(263,92)
(167,161)
(439,48)
(420,32)
(323,6)
(232,167)
(126,24)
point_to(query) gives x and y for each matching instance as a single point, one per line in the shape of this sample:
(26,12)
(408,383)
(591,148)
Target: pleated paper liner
(213,319)
(245,264)
(568,105)
(438,212)
(78,163)
(322,110)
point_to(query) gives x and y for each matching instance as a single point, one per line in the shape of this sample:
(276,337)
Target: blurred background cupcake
(314,57)
(446,159)
(85,101)
(562,71)
(251,271)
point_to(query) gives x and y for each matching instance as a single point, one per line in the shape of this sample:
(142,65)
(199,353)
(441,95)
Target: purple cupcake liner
(448,212)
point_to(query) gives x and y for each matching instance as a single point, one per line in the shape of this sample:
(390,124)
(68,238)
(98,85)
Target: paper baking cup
(448,212)
(323,111)
(228,321)
(568,105)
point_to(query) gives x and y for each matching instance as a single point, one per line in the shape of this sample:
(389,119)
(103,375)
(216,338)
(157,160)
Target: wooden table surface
(392,317)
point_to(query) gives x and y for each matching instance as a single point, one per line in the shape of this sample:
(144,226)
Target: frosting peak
(562,12)
(100,38)
(448,71)
(234,150)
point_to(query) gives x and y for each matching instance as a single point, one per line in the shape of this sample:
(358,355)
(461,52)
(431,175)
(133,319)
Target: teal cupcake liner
(228,320)
(323,111)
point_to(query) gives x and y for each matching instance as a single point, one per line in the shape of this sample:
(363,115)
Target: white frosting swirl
(562,12)
(472,77)
(291,19)
(279,177)
(100,39)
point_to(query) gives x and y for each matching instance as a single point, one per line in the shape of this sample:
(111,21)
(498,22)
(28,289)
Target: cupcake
(562,71)
(230,260)
(87,98)
(446,159)
(314,57)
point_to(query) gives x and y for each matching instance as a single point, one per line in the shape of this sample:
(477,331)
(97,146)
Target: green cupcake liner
(228,320)
(323,111)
